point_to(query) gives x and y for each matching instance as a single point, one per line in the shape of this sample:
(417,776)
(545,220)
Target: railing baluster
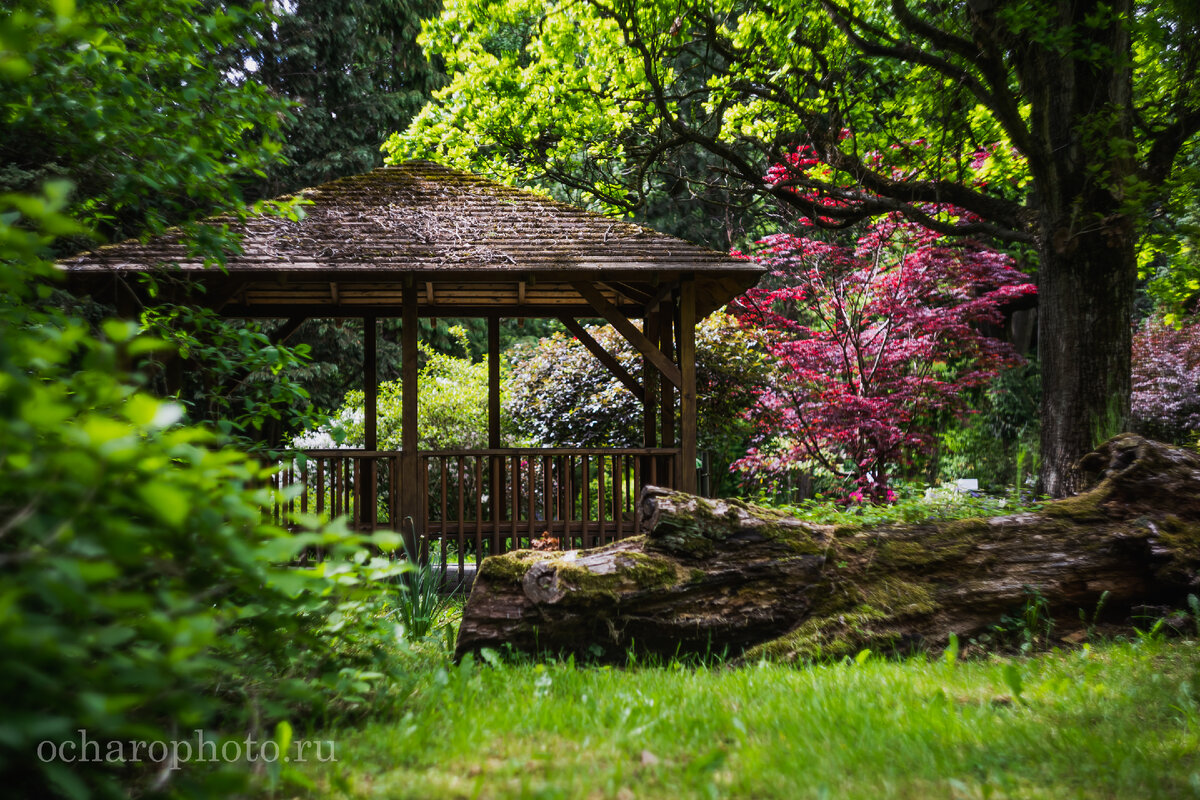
(618,485)
(478,510)
(515,477)
(602,499)
(587,497)
(496,500)
(529,492)
(462,544)
(531,512)
(443,480)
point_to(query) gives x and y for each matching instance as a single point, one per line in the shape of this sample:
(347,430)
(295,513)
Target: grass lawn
(1119,720)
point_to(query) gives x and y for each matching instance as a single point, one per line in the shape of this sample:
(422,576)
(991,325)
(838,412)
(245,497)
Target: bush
(142,595)
(1166,380)
(561,395)
(999,443)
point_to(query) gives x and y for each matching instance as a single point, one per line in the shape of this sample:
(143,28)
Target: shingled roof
(474,242)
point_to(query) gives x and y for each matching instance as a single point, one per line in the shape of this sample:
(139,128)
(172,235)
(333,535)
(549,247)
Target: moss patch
(1088,505)
(899,597)
(510,567)
(830,637)
(1183,538)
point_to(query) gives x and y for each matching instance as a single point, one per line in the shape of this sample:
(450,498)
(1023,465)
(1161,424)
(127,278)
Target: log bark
(724,576)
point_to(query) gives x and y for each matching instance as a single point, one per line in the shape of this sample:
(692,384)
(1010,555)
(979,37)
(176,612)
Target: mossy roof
(469,239)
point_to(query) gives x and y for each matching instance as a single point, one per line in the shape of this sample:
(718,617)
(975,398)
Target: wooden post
(367,486)
(687,392)
(650,325)
(667,332)
(370,386)
(493,381)
(411,505)
(496,489)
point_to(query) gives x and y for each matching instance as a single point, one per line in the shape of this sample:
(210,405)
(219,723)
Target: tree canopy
(351,69)
(1083,109)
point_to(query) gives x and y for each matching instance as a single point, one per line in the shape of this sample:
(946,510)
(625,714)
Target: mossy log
(724,576)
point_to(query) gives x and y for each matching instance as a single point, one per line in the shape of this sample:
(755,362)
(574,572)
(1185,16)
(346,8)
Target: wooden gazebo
(422,240)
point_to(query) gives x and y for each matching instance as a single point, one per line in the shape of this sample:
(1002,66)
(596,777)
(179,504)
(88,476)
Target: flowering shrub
(1166,380)
(873,344)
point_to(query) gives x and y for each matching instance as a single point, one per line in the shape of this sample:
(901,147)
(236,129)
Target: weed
(1090,626)
(1031,627)
(419,599)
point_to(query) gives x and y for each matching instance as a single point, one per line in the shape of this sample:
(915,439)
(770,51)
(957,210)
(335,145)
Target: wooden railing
(361,485)
(482,502)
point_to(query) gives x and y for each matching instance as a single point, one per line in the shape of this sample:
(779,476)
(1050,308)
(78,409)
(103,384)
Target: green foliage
(995,443)
(353,71)
(119,100)
(510,63)
(139,588)
(452,403)
(541,97)
(233,375)
(420,602)
(1169,258)
(911,504)
(143,597)
(561,395)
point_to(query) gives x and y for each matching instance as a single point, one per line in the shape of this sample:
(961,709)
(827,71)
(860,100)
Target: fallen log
(725,576)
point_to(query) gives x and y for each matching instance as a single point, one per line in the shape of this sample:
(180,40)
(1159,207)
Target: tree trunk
(1085,340)
(1082,115)
(717,576)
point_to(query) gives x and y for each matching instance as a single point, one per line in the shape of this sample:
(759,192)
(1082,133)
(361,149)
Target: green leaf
(167,502)
(1012,677)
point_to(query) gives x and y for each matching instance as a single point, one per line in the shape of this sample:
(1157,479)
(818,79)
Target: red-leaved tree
(872,345)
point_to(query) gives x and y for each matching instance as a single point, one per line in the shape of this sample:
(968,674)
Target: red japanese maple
(873,343)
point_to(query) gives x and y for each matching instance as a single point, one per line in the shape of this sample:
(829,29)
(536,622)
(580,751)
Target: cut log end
(725,576)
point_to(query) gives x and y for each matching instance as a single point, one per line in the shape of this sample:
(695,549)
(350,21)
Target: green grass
(911,505)
(1118,721)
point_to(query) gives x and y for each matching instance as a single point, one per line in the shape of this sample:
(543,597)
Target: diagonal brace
(627,329)
(606,358)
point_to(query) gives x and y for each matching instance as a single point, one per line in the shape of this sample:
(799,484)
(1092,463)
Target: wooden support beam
(627,329)
(666,328)
(285,331)
(521,293)
(634,294)
(650,324)
(366,471)
(495,463)
(370,386)
(687,392)
(606,358)
(429,296)
(494,381)
(623,294)
(333,292)
(411,506)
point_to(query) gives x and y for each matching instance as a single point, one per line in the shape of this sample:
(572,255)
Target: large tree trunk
(1082,115)
(725,577)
